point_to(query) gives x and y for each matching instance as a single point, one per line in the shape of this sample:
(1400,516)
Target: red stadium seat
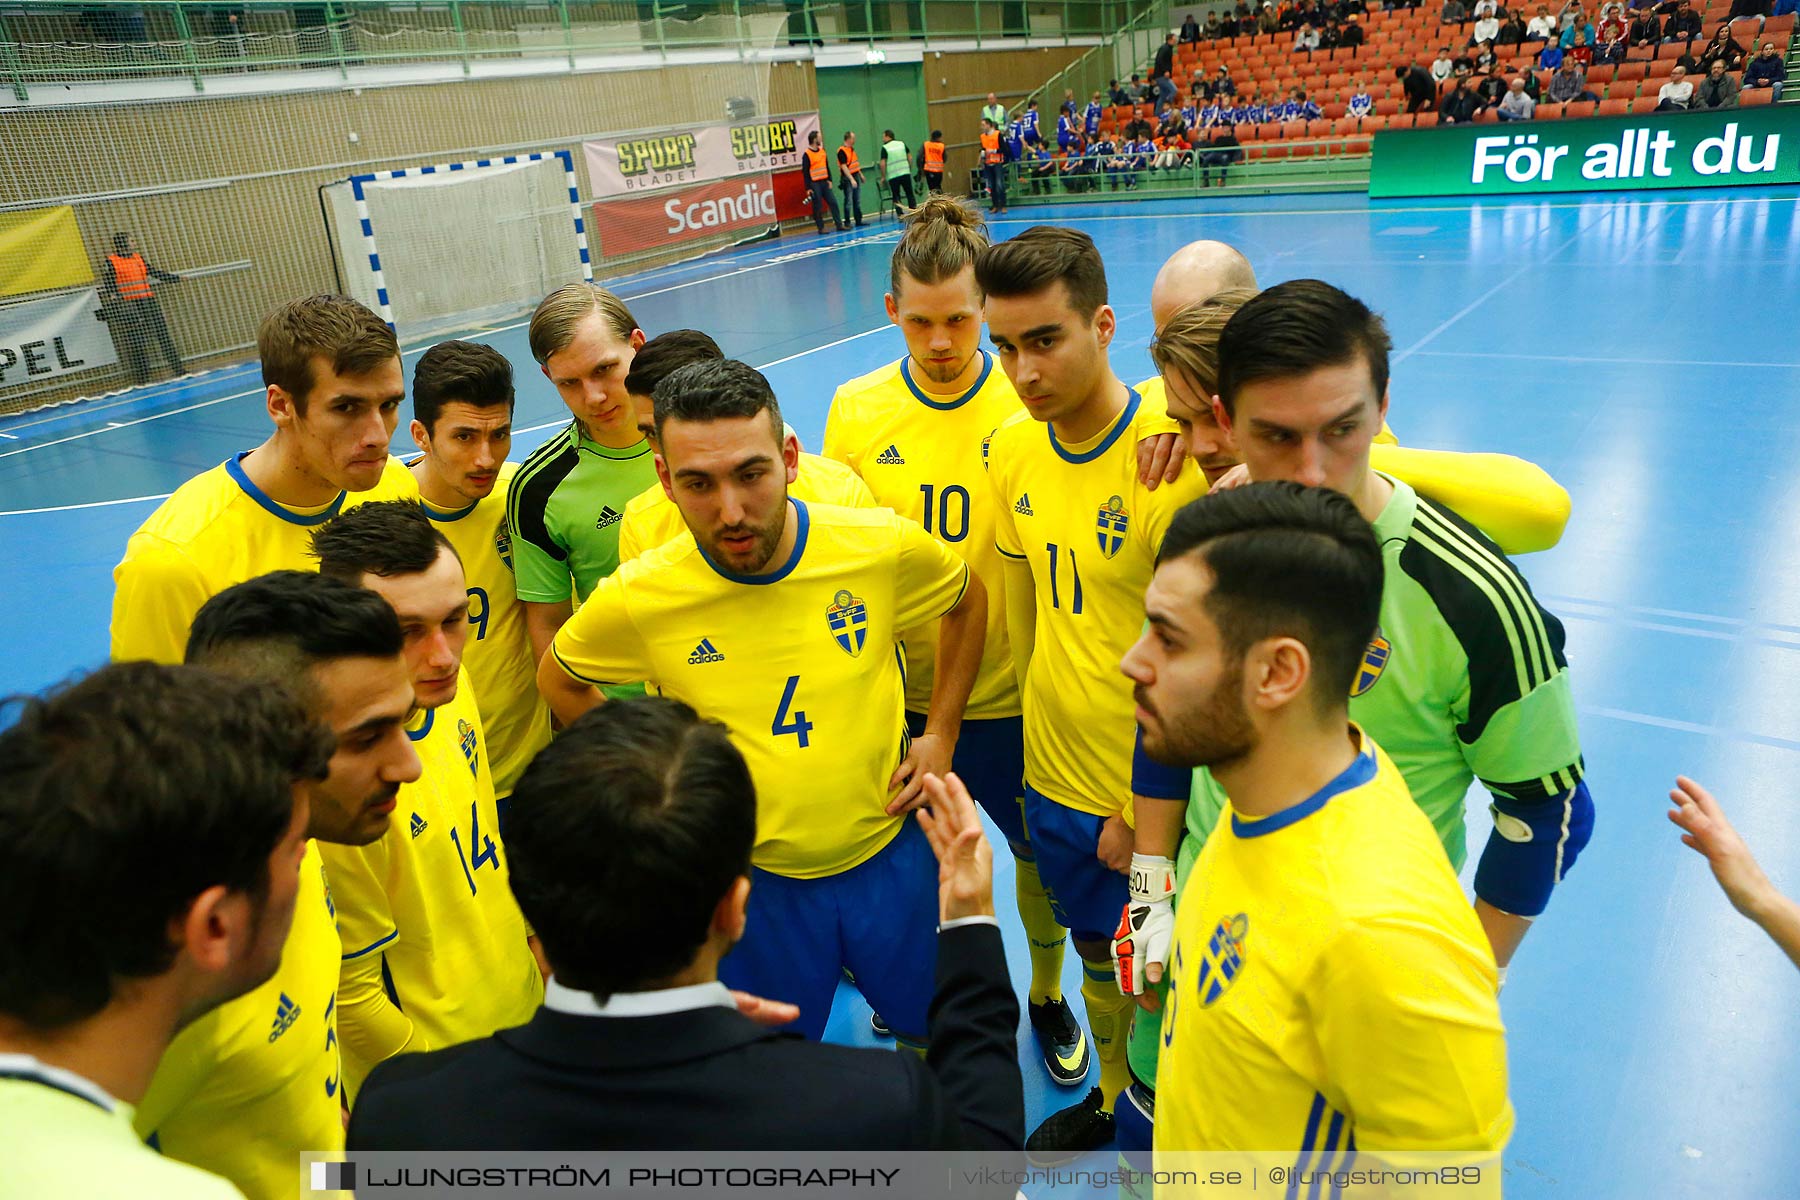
(1580,108)
(1644,104)
(1778,27)
(1424,120)
(1357,145)
(1304,150)
(1659,72)
(1634,70)
(1548,111)
(1318,128)
(1293,129)
(1335,109)
(1752,97)
(1374,123)
(1614,108)
(1344,126)
(1387,108)
(1601,74)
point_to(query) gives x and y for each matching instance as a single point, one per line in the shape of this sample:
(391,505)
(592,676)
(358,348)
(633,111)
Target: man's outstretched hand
(965,860)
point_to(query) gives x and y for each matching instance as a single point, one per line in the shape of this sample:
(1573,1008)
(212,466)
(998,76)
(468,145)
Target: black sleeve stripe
(1489,611)
(529,496)
(1505,579)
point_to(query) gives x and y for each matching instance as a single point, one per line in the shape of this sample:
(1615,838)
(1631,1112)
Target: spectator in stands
(1361,104)
(1516,105)
(1307,39)
(1569,84)
(1442,65)
(1542,28)
(1613,35)
(1646,28)
(1673,96)
(1228,27)
(1455,12)
(1717,90)
(1459,104)
(1580,27)
(1550,57)
(1162,74)
(1766,70)
(1078,171)
(1684,25)
(1581,52)
(1220,153)
(1033,135)
(1190,29)
(1135,91)
(1222,84)
(1706,831)
(1723,48)
(1512,31)
(1421,93)
(994,111)
(1462,66)
(1352,32)
(1567,16)
(1532,87)
(1040,168)
(1116,95)
(1485,60)
(1741,9)
(1310,109)
(1269,21)
(1211,31)
(1486,30)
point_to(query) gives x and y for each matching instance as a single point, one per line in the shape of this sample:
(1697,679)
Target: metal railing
(50,42)
(1326,164)
(1132,49)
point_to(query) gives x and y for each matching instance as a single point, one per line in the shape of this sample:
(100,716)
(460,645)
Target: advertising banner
(669,218)
(59,335)
(622,166)
(41,249)
(1722,148)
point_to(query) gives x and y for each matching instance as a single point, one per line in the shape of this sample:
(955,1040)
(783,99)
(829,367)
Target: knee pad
(1532,847)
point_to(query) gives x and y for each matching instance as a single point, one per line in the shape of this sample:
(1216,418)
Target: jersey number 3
(788,719)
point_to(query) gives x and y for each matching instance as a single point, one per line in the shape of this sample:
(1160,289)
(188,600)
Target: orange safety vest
(934,157)
(851,166)
(133,276)
(817,165)
(990,149)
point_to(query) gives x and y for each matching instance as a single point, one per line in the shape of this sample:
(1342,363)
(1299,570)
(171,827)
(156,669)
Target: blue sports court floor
(1640,349)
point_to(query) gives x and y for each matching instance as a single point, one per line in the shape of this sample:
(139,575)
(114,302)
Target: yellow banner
(40,250)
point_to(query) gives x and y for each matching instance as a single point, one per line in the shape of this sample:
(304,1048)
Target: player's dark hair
(1039,257)
(715,391)
(623,835)
(122,797)
(1296,328)
(382,537)
(275,628)
(342,331)
(665,354)
(1287,561)
(464,372)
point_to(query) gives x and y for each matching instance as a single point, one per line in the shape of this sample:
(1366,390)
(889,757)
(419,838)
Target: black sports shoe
(878,1027)
(1067,1135)
(1059,1037)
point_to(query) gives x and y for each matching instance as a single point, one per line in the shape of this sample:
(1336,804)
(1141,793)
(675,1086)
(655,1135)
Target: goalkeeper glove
(1147,925)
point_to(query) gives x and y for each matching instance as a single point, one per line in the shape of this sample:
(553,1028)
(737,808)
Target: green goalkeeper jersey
(1465,678)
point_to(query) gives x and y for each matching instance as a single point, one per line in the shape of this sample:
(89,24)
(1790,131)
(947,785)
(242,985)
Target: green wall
(869,100)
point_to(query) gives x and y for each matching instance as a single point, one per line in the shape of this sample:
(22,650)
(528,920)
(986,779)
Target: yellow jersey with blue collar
(1077,516)
(924,456)
(1331,988)
(652,519)
(801,665)
(514,718)
(216,530)
(246,1089)
(431,900)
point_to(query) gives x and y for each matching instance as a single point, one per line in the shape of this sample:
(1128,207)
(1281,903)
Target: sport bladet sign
(637,163)
(1723,148)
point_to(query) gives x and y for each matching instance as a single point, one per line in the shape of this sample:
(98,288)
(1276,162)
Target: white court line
(1711,731)
(75,437)
(26,512)
(1588,358)
(1454,208)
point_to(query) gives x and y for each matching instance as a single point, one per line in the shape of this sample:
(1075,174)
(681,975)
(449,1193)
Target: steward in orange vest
(815,169)
(133,312)
(932,161)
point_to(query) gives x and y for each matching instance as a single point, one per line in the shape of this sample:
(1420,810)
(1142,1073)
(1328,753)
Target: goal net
(445,247)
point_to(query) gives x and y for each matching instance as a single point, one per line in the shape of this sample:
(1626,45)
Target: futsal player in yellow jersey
(334,384)
(462,421)
(651,518)
(1331,990)
(781,620)
(917,431)
(435,949)
(248,1088)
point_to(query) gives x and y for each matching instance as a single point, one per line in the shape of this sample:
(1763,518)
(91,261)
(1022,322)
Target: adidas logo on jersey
(891,457)
(418,825)
(705,652)
(1023,507)
(609,516)
(286,1013)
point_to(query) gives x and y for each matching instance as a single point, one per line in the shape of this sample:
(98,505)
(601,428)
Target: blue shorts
(879,919)
(1086,896)
(990,758)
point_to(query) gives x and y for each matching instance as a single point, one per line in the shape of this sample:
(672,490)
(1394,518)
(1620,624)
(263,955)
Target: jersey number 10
(951,512)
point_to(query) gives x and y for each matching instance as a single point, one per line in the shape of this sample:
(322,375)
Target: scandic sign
(668,218)
(1724,148)
(637,163)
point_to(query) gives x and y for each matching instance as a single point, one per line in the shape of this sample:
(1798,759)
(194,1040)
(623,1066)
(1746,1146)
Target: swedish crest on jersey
(469,743)
(1110,524)
(849,621)
(1374,662)
(503,544)
(1224,958)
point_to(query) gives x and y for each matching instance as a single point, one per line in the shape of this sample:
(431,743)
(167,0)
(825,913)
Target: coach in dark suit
(629,844)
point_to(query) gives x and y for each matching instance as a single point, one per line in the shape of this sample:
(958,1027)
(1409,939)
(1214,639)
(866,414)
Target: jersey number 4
(486,855)
(789,719)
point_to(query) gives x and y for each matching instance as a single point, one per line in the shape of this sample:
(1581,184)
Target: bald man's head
(1198,271)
